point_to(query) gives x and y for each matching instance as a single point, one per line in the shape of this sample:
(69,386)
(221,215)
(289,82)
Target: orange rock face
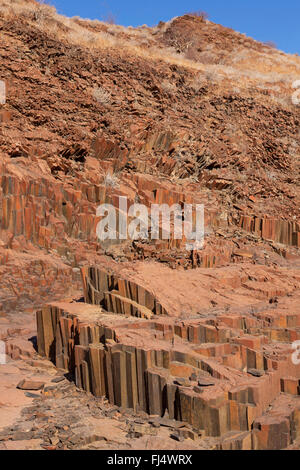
(219,374)
(186,112)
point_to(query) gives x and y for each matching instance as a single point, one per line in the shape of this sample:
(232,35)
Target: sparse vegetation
(252,67)
(111,180)
(212,76)
(110,19)
(168,87)
(198,83)
(43,11)
(101,95)
(271,44)
(271,175)
(39,12)
(200,14)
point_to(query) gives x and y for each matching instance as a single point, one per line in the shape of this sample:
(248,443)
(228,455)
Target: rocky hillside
(186,111)
(188,104)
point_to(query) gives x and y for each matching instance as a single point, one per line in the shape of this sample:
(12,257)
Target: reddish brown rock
(30,385)
(175,115)
(135,362)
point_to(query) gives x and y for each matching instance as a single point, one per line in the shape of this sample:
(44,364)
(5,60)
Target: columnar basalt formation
(278,230)
(218,374)
(177,114)
(115,294)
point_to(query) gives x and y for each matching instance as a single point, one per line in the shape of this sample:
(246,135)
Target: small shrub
(168,87)
(90,37)
(199,14)
(110,19)
(2,92)
(111,180)
(198,83)
(191,54)
(271,44)
(271,175)
(209,77)
(101,95)
(43,12)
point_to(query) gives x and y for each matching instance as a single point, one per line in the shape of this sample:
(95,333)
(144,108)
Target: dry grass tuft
(168,87)
(199,14)
(270,44)
(43,12)
(110,19)
(101,95)
(111,180)
(38,11)
(268,69)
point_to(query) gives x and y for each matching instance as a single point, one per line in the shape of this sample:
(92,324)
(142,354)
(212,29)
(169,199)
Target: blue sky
(264,20)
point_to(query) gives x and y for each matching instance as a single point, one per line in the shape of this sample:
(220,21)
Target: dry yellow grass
(247,69)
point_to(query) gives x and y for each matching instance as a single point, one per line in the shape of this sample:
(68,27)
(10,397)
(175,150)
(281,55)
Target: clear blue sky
(264,20)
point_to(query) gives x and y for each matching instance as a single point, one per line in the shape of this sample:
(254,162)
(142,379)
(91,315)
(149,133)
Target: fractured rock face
(119,295)
(202,336)
(203,372)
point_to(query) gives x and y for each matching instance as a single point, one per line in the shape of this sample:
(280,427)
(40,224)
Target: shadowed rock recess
(154,345)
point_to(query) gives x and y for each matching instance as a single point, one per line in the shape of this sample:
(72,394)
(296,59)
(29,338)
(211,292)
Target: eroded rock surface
(155,345)
(220,374)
